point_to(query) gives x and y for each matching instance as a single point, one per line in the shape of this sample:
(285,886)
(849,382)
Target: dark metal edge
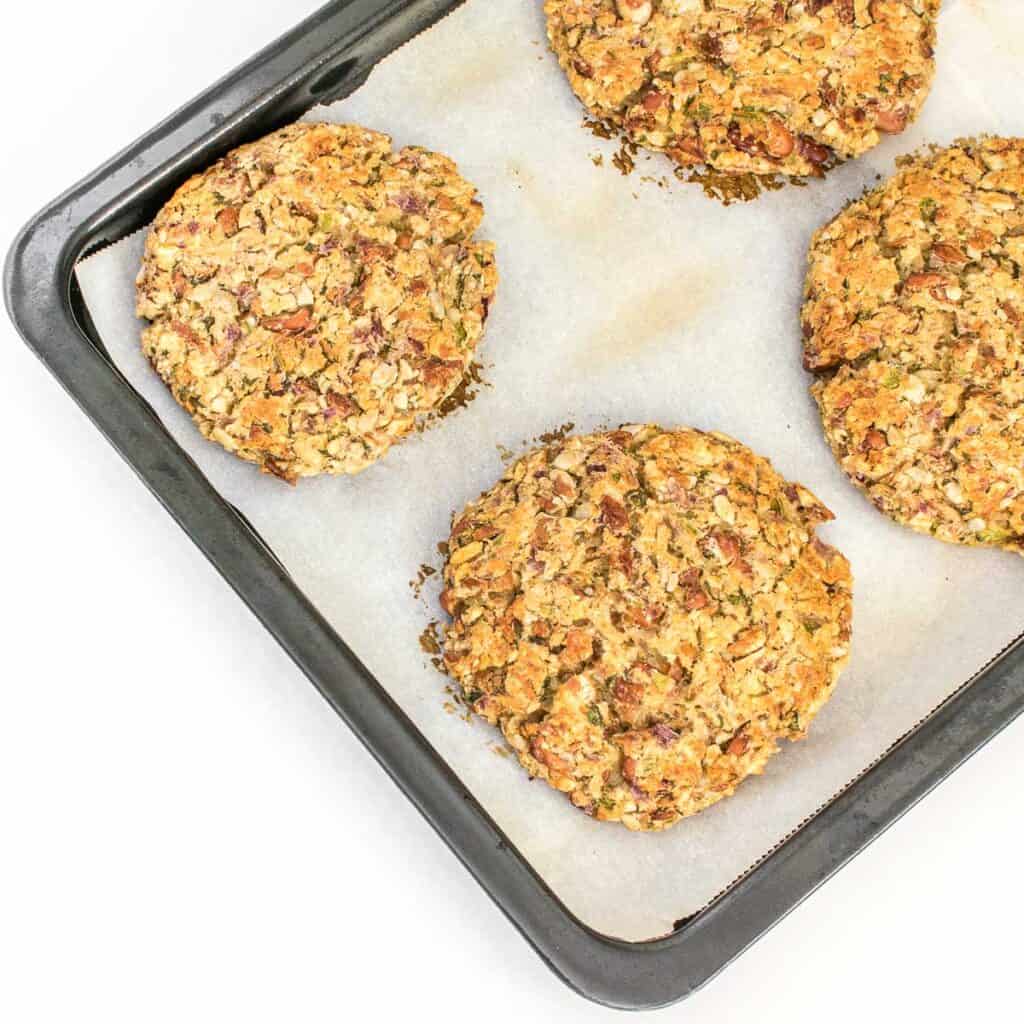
(337,47)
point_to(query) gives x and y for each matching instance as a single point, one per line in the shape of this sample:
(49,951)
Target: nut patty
(312,293)
(645,613)
(914,324)
(749,86)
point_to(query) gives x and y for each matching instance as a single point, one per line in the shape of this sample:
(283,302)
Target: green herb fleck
(994,536)
(698,111)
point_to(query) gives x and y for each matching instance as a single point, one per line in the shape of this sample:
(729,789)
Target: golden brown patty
(761,86)
(645,613)
(914,323)
(313,293)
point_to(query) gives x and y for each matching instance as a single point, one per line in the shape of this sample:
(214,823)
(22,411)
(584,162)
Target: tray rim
(323,58)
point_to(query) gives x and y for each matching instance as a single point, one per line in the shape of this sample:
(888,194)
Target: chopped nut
(945,253)
(892,121)
(780,141)
(636,11)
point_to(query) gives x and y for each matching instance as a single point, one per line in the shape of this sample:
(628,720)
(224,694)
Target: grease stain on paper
(644,321)
(577,211)
(461,83)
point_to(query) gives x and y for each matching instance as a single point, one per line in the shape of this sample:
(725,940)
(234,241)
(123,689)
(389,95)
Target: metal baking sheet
(552,325)
(622,299)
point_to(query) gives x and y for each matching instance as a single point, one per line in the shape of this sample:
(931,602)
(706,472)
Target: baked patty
(313,293)
(749,86)
(645,613)
(914,324)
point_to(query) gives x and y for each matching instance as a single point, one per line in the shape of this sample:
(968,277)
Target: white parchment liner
(621,301)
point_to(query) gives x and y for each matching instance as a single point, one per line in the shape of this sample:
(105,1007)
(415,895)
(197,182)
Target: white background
(188,833)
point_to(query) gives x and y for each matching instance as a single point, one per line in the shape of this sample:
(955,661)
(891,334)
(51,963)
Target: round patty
(914,324)
(645,613)
(759,86)
(313,293)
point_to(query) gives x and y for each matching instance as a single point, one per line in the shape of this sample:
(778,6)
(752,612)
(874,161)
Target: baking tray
(323,59)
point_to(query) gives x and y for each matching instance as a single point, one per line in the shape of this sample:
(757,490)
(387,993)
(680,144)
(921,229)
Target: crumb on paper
(430,644)
(465,392)
(623,159)
(731,188)
(559,433)
(727,188)
(457,704)
(423,574)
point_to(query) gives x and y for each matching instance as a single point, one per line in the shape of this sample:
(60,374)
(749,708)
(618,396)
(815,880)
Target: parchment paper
(621,301)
